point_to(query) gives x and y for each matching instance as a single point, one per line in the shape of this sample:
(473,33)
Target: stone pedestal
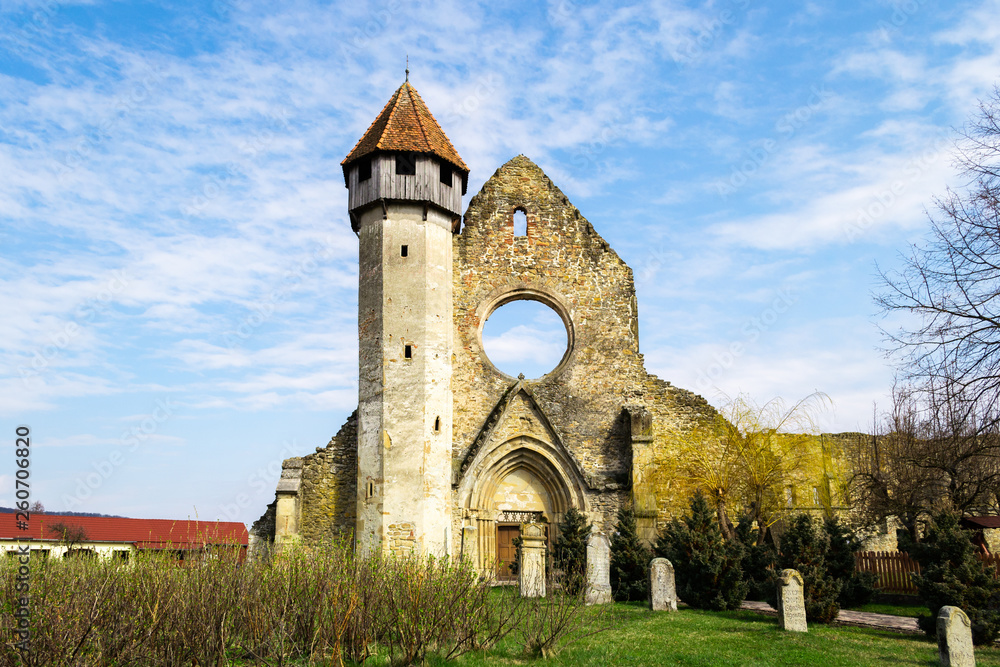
(531,570)
(662,587)
(791,603)
(598,569)
(286,513)
(954,635)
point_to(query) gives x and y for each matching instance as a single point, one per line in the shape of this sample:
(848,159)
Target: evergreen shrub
(629,559)
(952,574)
(804,548)
(757,560)
(570,553)
(706,568)
(857,587)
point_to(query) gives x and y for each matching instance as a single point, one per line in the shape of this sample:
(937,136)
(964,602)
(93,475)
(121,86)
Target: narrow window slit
(520,223)
(408,351)
(404,251)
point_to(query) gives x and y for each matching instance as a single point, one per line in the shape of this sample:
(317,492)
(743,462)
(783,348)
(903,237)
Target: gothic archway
(523,479)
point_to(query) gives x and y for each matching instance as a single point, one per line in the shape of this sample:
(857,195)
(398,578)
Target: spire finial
(407,67)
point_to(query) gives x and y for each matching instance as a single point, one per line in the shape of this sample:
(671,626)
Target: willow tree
(746,455)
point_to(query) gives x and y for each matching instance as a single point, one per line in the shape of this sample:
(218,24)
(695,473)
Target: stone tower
(405,183)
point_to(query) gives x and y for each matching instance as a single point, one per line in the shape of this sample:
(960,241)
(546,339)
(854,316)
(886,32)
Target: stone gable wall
(562,258)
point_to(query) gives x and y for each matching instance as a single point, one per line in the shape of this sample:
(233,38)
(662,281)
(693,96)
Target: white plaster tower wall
(405,398)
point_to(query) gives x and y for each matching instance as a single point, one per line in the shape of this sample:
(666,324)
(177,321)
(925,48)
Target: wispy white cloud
(196,158)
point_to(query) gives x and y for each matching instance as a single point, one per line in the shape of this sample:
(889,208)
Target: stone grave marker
(791,603)
(531,571)
(598,569)
(662,587)
(954,635)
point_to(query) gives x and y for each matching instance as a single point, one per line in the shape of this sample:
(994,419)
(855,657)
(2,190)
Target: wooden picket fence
(895,567)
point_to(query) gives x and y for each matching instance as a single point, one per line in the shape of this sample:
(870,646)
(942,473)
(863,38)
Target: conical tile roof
(406,124)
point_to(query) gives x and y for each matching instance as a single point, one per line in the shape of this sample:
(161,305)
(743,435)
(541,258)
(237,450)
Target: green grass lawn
(692,637)
(912,610)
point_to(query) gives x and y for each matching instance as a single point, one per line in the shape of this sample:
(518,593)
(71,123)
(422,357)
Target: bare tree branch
(951,282)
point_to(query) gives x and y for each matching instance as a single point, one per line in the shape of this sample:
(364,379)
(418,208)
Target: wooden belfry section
(405,156)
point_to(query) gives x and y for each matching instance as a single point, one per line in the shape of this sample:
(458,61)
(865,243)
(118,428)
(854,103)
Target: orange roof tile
(405,124)
(143,533)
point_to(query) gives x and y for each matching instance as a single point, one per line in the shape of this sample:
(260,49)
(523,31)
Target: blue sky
(178,277)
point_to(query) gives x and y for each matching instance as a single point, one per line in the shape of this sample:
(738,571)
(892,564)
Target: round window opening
(525,337)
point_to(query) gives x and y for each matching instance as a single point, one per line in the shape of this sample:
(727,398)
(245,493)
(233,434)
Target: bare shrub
(431,604)
(548,625)
(368,623)
(134,609)
(65,603)
(316,604)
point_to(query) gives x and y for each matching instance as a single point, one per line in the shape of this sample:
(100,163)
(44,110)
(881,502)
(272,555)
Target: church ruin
(446,454)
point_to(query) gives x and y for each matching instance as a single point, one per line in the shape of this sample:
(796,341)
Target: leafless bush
(552,623)
(317,604)
(443,606)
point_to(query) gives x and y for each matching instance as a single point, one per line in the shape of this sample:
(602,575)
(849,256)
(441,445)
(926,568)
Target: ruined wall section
(262,531)
(563,259)
(661,484)
(328,493)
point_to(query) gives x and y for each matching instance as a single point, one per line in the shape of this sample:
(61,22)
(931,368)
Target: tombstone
(954,635)
(531,570)
(662,587)
(598,569)
(791,603)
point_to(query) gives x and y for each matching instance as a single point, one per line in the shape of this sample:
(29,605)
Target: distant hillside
(11,510)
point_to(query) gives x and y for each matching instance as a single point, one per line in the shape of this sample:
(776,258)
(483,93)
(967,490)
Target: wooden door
(506,551)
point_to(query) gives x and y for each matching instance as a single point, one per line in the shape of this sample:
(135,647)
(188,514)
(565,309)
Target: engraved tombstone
(598,569)
(954,635)
(791,604)
(662,587)
(531,572)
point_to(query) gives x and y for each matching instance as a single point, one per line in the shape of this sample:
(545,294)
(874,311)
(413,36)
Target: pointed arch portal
(523,479)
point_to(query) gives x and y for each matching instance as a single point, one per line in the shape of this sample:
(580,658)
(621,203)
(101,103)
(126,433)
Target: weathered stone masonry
(327,488)
(581,405)
(586,432)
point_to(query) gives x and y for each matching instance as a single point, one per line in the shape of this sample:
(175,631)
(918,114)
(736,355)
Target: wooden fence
(895,567)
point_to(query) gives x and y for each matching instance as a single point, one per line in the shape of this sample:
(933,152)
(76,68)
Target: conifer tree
(952,574)
(857,587)
(570,553)
(757,560)
(804,548)
(629,559)
(707,569)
